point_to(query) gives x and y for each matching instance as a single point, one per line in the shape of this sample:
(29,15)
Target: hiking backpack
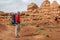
(13,19)
(17,18)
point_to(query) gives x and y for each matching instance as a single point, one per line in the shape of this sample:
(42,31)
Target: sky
(18,5)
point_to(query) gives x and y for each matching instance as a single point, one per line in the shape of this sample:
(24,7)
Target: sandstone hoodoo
(46,14)
(32,6)
(54,4)
(45,4)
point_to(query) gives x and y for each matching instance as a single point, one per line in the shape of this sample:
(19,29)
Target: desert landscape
(37,23)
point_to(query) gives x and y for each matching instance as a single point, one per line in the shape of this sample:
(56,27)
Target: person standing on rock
(17,20)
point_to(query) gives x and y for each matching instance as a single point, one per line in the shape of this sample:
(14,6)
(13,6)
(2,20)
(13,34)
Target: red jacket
(17,18)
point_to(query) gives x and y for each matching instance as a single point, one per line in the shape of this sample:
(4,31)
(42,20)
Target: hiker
(13,18)
(17,20)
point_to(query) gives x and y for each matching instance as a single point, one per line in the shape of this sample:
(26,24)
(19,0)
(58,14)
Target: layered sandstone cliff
(46,15)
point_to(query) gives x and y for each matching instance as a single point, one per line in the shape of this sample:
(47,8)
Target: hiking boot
(17,36)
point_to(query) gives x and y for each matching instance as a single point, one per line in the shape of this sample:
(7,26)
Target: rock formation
(32,6)
(45,15)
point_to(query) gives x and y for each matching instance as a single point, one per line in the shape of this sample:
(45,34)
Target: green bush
(22,23)
(46,35)
(40,30)
(11,24)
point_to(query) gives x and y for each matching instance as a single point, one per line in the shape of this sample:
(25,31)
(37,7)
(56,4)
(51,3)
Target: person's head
(12,13)
(18,12)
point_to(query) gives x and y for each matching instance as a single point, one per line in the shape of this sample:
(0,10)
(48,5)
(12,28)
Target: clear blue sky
(18,5)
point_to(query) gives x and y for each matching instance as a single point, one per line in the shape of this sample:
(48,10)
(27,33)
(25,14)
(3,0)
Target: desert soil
(29,33)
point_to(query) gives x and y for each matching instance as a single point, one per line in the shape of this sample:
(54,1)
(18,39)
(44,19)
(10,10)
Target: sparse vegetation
(11,24)
(22,23)
(33,23)
(46,35)
(40,29)
(50,27)
(58,26)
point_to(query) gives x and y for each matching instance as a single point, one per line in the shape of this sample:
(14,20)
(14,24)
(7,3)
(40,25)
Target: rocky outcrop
(32,6)
(45,15)
(4,17)
(54,5)
(45,4)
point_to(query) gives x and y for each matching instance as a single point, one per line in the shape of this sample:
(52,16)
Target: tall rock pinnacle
(45,4)
(32,6)
(54,4)
(46,0)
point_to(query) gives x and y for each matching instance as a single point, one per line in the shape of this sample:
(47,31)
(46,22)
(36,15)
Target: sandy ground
(29,33)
